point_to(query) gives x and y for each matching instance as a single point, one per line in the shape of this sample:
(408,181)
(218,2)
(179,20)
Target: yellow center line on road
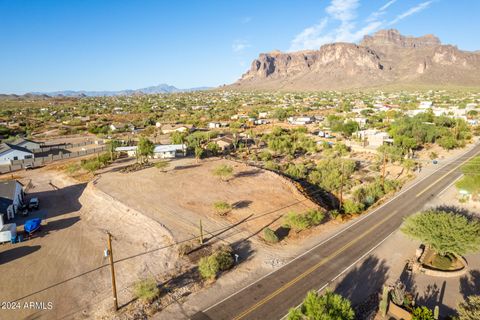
(442,177)
(312,269)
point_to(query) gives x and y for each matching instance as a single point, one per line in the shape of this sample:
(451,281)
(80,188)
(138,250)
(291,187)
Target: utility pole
(112,271)
(201,232)
(340,198)
(383,168)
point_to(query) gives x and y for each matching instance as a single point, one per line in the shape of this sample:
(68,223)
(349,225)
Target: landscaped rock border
(440,273)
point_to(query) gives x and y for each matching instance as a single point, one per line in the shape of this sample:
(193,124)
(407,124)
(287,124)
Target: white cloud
(380,12)
(240,45)
(344,12)
(310,37)
(387,5)
(409,12)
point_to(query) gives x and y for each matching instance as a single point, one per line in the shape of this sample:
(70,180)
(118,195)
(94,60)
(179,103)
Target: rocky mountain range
(161,88)
(385,58)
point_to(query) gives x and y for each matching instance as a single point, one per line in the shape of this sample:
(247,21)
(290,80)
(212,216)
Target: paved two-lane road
(273,295)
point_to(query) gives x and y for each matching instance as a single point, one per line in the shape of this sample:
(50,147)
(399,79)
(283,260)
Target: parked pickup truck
(33,203)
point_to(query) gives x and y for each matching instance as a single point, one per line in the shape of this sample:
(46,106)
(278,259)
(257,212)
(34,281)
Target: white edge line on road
(349,267)
(451,184)
(341,231)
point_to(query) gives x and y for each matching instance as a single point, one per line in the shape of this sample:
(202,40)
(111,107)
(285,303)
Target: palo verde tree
(470,309)
(145,149)
(444,232)
(111,146)
(329,306)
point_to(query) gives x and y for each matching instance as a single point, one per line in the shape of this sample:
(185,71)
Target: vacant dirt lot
(185,193)
(64,263)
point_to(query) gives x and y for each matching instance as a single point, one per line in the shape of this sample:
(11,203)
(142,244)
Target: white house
(213,125)
(425,105)
(167,151)
(374,137)
(131,151)
(10,152)
(300,120)
(263,115)
(11,197)
(169,128)
(161,151)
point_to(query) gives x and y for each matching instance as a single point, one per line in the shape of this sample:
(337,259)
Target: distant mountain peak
(395,38)
(158,89)
(385,58)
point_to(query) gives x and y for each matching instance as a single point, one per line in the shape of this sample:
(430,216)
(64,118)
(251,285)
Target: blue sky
(119,44)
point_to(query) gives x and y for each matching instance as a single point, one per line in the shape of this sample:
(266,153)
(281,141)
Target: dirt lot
(184,194)
(64,262)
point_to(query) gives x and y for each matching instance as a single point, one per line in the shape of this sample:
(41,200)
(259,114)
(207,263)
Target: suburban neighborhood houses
(234,185)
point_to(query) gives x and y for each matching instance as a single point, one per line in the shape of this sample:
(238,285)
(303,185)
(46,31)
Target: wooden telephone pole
(340,198)
(112,271)
(383,168)
(201,232)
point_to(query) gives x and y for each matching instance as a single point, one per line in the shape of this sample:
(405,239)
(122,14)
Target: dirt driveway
(63,267)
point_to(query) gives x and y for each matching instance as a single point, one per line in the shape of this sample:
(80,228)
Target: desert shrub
(72,168)
(270,165)
(222,207)
(220,260)
(265,155)
(315,217)
(185,248)
(95,163)
(91,165)
(302,221)
(422,313)
(350,207)
(334,214)
(208,267)
(224,171)
(296,221)
(270,236)
(224,258)
(147,290)
(162,165)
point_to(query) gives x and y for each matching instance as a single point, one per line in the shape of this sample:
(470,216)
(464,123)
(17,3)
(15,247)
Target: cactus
(436,313)
(398,294)
(384,302)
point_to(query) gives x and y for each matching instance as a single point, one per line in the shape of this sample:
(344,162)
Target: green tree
(422,313)
(470,309)
(329,173)
(111,146)
(177,137)
(329,306)
(444,232)
(198,152)
(145,149)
